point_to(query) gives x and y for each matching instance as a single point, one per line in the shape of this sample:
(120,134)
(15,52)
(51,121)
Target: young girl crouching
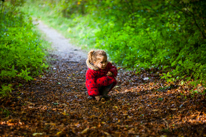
(100,76)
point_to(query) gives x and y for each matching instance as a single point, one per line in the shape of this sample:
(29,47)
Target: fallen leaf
(58,133)
(37,134)
(85,131)
(155,110)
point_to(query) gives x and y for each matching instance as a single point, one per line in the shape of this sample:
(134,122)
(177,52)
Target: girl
(100,76)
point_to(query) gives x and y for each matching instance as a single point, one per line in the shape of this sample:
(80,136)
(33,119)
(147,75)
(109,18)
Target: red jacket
(96,78)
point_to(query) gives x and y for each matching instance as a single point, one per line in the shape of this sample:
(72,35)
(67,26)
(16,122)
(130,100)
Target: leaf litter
(55,104)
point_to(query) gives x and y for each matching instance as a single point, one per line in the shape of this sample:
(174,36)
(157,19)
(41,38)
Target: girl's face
(101,62)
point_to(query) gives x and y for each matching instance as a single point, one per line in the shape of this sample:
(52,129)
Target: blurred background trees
(166,35)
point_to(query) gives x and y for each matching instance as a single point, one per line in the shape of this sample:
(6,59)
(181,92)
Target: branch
(193,16)
(151,38)
(128,3)
(179,9)
(166,123)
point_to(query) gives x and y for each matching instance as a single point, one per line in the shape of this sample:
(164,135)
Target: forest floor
(55,103)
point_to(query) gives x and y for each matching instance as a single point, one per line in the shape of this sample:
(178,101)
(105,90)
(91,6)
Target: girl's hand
(109,73)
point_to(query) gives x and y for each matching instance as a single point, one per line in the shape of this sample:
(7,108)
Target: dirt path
(60,44)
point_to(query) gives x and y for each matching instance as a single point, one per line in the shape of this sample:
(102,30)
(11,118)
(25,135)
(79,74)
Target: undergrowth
(22,50)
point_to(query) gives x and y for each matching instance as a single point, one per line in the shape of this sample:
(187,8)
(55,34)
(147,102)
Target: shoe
(106,97)
(90,97)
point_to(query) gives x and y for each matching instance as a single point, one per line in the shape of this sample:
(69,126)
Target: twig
(166,123)
(151,38)
(182,104)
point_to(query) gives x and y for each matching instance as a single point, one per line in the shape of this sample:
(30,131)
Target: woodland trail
(61,46)
(55,103)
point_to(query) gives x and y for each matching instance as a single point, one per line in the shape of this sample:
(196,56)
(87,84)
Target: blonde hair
(93,54)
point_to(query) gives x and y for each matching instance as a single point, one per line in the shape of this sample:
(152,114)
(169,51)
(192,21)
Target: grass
(79,29)
(5,112)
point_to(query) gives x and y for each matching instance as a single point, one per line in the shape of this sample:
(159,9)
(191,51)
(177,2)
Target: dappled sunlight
(11,122)
(166,109)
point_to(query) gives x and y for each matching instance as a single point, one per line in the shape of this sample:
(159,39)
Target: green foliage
(5,112)
(21,49)
(168,35)
(6,89)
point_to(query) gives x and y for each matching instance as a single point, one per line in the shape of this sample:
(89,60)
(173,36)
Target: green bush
(21,50)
